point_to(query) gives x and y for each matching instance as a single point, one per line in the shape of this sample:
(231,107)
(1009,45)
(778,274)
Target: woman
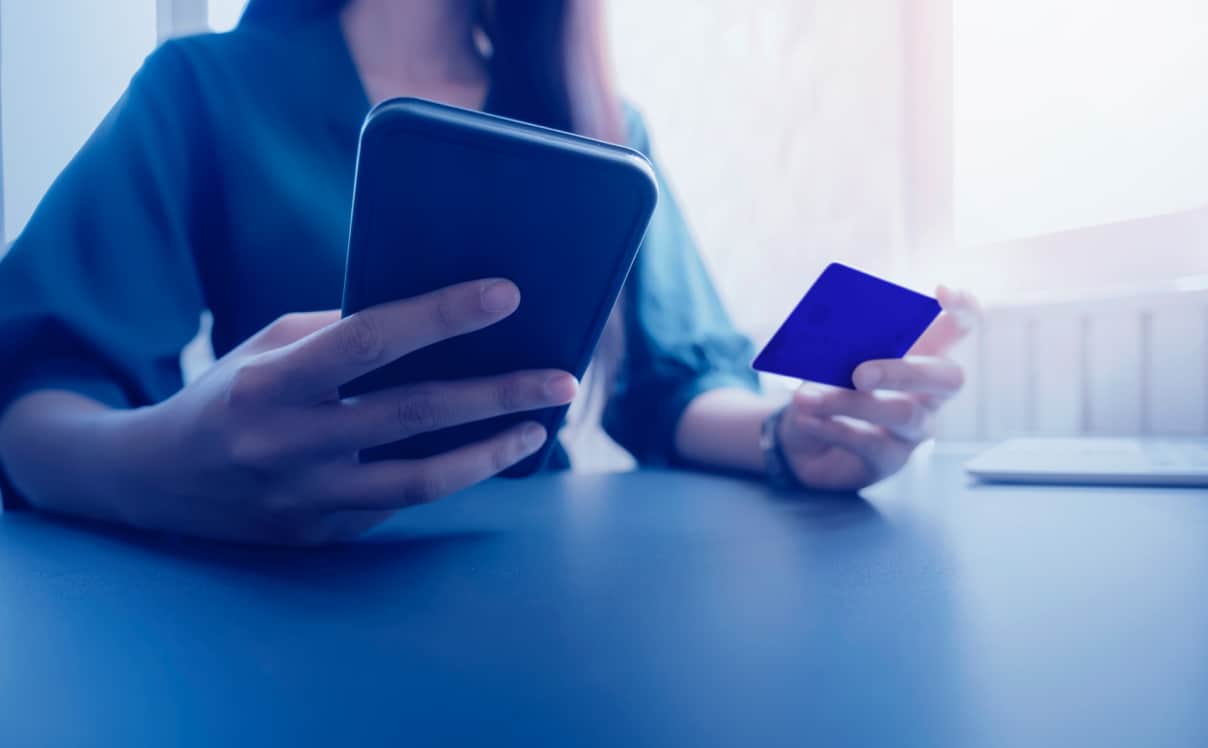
(222,181)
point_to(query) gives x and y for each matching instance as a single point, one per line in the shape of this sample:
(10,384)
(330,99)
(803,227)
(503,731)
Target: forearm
(721,429)
(67,453)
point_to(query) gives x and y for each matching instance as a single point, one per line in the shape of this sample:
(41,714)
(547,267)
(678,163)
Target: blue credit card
(846,318)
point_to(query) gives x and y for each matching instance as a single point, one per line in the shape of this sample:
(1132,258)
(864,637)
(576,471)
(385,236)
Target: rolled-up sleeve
(100,292)
(679,340)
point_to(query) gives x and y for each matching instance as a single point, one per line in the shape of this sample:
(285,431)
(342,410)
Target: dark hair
(527,67)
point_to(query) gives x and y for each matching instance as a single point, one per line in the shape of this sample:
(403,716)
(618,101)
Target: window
(1077,113)
(224,14)
(63,64)
(1055,149)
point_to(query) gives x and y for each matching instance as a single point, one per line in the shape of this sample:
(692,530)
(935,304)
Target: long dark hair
(532,43)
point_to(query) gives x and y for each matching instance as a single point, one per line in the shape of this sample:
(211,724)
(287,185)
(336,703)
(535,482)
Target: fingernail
(532,437)
(500,297)
(561,388)
(868,377)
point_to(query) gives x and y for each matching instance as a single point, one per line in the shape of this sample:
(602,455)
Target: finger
(904,415)
(373,337)
(873,444)
(956,299)
(288,329)
(922,375)
(395,484)
(940,337)
(796,441)
(960,317)
(835,469)
(394,414)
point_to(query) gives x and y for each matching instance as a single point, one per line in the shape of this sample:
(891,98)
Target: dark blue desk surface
(651,608)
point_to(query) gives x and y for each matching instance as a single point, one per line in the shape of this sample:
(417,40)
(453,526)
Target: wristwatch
(776,466)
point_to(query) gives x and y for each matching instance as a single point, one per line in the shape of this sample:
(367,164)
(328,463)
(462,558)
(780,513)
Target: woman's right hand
(262,449)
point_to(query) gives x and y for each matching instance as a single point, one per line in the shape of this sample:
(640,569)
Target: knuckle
(444,314)
(417,411)
(910,415)
(505,454)
(249,384)
(284,328)
(842,436)
(898,377)
(510,396)
(833,401)
(361,339)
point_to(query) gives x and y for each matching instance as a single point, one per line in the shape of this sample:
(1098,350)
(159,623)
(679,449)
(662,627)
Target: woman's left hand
(843,440)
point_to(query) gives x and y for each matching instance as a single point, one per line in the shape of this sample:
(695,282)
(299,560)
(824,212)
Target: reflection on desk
(644,608)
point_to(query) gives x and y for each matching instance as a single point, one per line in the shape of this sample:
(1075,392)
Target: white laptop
(1095,461)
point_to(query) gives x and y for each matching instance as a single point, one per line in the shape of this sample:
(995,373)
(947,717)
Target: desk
(639,609)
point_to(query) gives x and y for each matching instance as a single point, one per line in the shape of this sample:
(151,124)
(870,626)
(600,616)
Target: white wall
(1102,121)
(781,124)
(63,64)
(224,14)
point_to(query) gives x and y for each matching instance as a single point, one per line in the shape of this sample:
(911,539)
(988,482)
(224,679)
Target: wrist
(720,429)
(132,456)
(778,469)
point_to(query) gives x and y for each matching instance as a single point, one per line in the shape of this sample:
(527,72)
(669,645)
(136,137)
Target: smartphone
(445,195)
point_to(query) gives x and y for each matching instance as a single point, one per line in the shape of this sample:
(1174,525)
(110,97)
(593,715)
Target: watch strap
(777,470)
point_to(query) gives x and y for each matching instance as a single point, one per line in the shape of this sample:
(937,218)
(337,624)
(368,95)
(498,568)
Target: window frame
(179,17)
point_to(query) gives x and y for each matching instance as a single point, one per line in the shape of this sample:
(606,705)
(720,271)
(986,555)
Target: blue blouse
(222,181)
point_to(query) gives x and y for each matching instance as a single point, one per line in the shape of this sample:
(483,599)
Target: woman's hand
(262,449)
(839,439)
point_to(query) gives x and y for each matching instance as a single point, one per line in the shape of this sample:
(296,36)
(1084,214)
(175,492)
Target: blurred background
(1048,154)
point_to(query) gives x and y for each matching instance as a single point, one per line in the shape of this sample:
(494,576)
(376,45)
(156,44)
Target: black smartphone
(445,195)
